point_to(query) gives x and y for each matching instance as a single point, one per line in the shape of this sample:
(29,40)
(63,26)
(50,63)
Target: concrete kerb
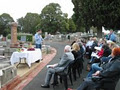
(20,82)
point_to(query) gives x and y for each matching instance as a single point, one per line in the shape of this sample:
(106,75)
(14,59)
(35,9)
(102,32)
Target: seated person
(65,60)
(30,45)
(94,67)
(76,50)
(110,72)
(96,64)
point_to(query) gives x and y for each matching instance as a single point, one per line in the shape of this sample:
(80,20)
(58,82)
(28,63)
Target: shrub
(29,37)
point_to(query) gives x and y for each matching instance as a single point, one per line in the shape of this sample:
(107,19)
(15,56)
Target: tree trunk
(99,32)
(87,29)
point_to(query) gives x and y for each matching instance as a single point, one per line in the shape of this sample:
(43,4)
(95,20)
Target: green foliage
(97,13)
(72,26)
(5,19)
(29,23)
(29,38)
(53,20)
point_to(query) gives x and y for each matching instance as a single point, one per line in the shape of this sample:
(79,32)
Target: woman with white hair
(59,67)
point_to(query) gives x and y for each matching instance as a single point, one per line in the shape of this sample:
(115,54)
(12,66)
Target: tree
(29,22)
(98,13)
(5,19)
(76,16)
(53,20)
(72,27)
(20,24)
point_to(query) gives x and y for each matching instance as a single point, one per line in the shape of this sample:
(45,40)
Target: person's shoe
(54,83)
(45,86)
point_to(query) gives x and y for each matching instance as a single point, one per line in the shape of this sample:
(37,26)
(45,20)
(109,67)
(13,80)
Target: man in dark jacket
(110,73)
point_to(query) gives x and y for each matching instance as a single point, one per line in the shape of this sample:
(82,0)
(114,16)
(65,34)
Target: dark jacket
(106,52)
(95,43)
(111,71)
(76,54)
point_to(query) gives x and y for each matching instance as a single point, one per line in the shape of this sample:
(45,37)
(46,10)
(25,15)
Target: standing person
(69,37)
(38,39)
(59,67)
(112,36)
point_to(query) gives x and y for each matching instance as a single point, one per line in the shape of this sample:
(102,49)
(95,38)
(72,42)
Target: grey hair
(68,48)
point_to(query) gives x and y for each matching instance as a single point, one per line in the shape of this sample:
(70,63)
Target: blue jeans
(94,67)
(38,46)
(105,59)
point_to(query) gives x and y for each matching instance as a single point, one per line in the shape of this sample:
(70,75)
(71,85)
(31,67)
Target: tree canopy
(53,19)
(5,19)
(29,23)
(97,13)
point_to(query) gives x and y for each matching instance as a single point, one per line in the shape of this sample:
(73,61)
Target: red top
(100,53)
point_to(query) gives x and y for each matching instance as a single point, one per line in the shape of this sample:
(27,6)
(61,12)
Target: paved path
(35,84)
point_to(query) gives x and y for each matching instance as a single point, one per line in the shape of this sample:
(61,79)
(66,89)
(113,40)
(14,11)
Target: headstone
(23,38)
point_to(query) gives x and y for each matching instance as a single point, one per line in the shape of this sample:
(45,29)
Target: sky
(19,8)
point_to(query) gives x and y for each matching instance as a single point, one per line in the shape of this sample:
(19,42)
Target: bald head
(67,48)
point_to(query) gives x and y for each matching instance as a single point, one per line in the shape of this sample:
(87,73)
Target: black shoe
(54,83)
(37,61)
(45,86)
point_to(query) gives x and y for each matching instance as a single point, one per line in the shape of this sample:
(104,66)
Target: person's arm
(114,69)
(54,65)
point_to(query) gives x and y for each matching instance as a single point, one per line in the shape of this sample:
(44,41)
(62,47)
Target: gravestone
(23,38)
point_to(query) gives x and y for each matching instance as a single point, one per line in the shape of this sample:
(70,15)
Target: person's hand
(54,65)
(96,73)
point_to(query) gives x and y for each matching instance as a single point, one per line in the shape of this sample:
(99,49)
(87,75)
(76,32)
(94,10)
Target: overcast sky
(19,8)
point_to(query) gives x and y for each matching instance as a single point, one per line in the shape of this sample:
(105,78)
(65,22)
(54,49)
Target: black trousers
(88,84)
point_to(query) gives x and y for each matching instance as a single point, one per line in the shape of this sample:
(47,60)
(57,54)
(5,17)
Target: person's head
(90,38)
(102,41)
(105,46)
(76,47)
(112,45)
(39,31)
(111,31)
(67,48)
(95,39)
(115,52)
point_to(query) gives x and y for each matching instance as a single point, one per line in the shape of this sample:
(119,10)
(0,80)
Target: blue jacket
(112,37)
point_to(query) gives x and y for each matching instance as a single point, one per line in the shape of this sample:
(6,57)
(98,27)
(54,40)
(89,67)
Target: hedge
(29,37)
